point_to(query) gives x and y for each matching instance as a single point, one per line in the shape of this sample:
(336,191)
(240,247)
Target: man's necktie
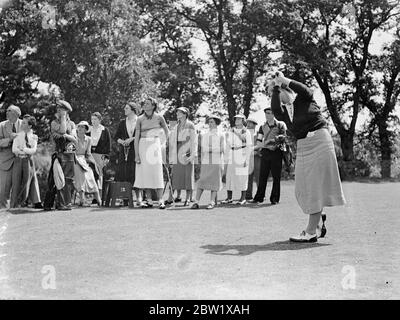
(14,129)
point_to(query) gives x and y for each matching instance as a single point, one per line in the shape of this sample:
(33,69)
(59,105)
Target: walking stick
(170,184)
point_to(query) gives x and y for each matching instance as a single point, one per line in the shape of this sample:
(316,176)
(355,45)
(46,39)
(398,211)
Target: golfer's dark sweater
(307,115)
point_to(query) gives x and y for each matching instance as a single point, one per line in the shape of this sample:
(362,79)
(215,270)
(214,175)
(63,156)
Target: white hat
(252,119)
(84,124)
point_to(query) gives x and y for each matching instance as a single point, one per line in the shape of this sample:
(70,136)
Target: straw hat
(215,117)
(251,119)
(184,110)
(240,116)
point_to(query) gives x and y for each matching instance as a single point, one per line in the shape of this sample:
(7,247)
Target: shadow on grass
(182,208)
(235,207)
(121,208)
(247,249)
(248,205)
(20,211)
(373,180)
(257,206)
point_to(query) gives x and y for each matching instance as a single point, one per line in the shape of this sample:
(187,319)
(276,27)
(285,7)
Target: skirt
(84,178)
(126,168)
(317,180)
(149,172)
(99,158)
(182,174)
(237,173)
(210,175)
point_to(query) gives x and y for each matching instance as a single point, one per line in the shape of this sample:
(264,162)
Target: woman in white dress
(84,181)
(238,149)
(148,153)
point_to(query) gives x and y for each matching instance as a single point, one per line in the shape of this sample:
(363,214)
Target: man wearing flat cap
(268,136)
(63,132)
(8,132)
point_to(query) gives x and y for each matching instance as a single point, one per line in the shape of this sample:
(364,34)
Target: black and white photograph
(199,150)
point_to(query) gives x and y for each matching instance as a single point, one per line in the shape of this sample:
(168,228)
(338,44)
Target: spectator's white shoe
(304,237)
(241,203)
(211,206)
(226,201)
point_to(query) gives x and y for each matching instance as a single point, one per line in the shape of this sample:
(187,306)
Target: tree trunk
(385,149)
(230,101)
(347,145)
(346,135)
(347,166)
(248,86)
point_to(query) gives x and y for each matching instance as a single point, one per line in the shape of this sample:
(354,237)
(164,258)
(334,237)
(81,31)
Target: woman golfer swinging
(317,181)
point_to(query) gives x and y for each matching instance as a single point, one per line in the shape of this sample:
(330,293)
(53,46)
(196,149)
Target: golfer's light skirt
(316,173)
(149,172)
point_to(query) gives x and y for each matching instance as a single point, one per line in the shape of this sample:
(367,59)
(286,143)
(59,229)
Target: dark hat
(215,117)
(267,108)
(64,105)
(184,110)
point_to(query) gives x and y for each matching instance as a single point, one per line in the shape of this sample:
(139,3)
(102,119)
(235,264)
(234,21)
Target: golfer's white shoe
(304,237)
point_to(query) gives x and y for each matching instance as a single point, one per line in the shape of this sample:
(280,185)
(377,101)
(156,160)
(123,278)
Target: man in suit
(8,132)
(23,172)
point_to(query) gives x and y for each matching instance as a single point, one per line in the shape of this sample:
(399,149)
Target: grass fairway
(226,253)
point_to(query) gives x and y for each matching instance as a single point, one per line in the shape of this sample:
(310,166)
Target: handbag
(58,175)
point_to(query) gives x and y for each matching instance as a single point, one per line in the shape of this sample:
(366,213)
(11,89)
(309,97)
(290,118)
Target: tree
(380,96)
(231,31)
(17,68)
(94,53)
(178,74)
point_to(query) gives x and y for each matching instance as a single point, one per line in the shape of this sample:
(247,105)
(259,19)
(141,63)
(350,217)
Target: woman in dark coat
(125,137)
(101,145)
